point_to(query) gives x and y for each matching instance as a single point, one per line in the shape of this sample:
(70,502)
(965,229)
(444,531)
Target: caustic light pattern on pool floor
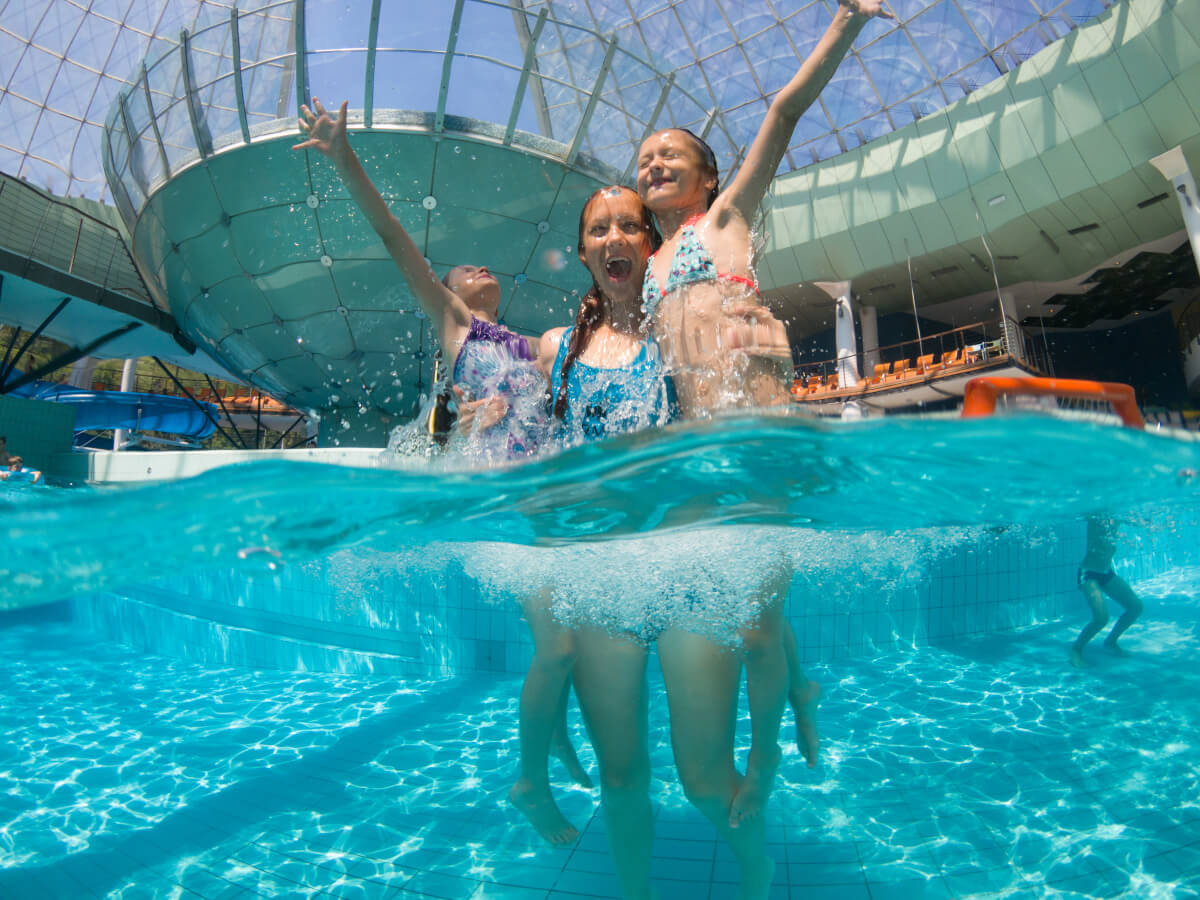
(986,768)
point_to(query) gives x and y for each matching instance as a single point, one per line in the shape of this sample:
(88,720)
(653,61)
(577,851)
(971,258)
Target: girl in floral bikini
(725,350)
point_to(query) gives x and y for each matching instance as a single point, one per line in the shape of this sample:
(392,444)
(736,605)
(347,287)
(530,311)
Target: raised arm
(746,190)
(327,136)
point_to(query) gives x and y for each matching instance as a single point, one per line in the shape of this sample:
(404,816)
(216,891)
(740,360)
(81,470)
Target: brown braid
(591,312)
(591,309)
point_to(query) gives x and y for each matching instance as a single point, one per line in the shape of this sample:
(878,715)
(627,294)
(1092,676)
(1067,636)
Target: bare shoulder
(547,347)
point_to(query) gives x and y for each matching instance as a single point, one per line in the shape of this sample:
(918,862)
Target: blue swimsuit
(604,402)
(691,264)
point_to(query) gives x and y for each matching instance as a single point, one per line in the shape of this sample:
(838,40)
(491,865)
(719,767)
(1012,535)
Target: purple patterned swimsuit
(494,360)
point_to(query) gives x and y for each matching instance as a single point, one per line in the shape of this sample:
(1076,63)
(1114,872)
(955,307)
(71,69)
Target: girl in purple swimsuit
(724,349)
(499,384)
(493,366)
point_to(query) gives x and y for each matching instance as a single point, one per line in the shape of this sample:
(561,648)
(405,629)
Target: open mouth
(618,268)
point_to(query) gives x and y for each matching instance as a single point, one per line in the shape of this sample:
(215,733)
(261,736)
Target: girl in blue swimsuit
(725,350)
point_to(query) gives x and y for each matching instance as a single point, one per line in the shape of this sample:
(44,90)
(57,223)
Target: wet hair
(592,307)
(15,460)
(709,159)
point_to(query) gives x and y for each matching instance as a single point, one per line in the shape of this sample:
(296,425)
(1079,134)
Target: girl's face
(671,172)
(476,286)
(615,241)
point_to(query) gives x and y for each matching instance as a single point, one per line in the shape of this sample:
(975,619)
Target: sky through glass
(63,62)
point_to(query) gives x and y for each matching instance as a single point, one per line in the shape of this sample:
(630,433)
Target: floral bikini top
(691,264)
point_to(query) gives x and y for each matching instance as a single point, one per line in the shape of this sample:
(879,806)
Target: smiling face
(673,172)
(476,286)
(615,241)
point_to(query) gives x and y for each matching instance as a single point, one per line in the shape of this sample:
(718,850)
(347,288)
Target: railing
(63,237)
(946,352)
(552,85)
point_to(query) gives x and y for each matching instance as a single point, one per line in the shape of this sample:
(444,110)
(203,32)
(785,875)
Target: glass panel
(268,73)
(414,25)
(894,68)
(58,27)
(407,80)
(944,38)
(93,42)
(73,89)
(337,75)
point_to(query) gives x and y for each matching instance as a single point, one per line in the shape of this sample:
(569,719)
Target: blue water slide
(107,410)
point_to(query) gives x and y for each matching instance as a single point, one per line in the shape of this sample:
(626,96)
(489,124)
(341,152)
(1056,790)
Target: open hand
(867,9)
(326,135)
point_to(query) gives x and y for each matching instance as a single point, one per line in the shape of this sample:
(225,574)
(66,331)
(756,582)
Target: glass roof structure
(64,62)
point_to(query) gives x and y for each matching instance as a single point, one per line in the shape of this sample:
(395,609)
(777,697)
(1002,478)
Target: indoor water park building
(254,652)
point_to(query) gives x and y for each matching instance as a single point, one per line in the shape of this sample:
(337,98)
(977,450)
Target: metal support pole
(369,85)
(137,166)
(70,356)
(33,336)
(708,123)
(200,132)
(439,120)
(299,419)
(590,109)
(16,336)
(224,410)
(162,150)
(301,54)
(120,435)
(239,88)
(530,62)
(200,406)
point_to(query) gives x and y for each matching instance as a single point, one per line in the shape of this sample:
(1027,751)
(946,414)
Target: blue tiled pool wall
(374,613)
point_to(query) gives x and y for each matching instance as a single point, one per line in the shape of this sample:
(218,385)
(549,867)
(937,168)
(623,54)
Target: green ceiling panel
(1103,154)
(1075,104)
(392,161)
(872,243)
(500,243)
(371,284)
(1111,90)
(472,175)
(347,234)
(576,188)
(206,319)
(1141,60)
(1137,134)
(187,206)
(1012,142)
(271,175)
(376,331)
(1172,115)
(240,302)
(326,330)
(212,254)
(903,236)
(298,290)
(265,239)
(1066,169)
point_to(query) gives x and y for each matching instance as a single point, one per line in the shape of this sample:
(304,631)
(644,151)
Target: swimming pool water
(987,768)
(962,760)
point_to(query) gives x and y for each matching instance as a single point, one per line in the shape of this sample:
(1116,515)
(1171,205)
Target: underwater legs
(610,682)
(542,725)
(702,680)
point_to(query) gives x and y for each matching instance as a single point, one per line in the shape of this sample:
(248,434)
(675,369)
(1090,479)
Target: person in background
(1096,579)
(17,471)
(3,450)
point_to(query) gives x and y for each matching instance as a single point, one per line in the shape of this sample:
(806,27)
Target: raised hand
(867,9)
(326,134)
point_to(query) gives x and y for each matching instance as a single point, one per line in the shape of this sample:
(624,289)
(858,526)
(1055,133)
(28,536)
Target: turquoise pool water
(962,758)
